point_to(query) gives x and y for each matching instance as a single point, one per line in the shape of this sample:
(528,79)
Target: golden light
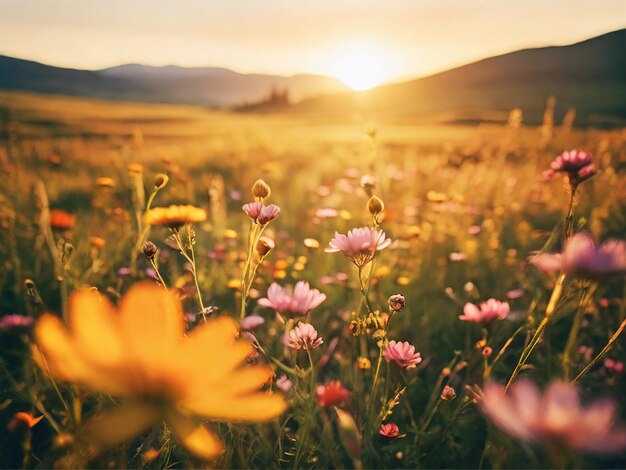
(359,66)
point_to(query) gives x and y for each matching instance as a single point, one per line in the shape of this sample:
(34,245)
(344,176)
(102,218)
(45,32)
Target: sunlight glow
(359,66)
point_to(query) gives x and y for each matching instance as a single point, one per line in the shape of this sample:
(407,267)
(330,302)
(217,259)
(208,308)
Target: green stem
(602,353)
(526,353)
(585,295)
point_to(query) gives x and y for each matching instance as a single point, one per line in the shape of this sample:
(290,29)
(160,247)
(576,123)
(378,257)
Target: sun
(359,66)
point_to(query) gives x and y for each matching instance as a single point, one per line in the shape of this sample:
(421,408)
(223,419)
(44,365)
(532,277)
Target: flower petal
(195,437)
(120,425)
(257,407)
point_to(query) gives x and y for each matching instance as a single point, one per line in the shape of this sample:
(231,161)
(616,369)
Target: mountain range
(205,86)
(589,76)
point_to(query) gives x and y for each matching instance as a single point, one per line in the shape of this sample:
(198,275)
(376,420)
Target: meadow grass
(465,207)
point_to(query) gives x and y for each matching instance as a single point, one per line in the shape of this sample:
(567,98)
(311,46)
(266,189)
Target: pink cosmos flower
(556,417)
(251,322)
(389,430)
(576,163)
(268,213)
(252,209)
(360,244)
(402,353)
(489,311)
(304,336)
(572,160)
(300,301)
(331,394)
(581,257)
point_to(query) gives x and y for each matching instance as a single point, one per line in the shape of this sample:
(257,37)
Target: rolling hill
(207,86)
(589,76)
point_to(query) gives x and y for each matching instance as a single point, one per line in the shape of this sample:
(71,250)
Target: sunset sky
(384,40)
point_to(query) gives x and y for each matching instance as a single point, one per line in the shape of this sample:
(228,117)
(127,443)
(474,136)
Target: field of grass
(465,208)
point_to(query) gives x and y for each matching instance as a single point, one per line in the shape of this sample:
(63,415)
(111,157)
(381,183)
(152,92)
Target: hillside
(207,86)
(589,76)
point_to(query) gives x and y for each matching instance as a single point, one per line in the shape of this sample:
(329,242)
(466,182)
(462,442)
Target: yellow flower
(141,353)
(105,182)
(174,216)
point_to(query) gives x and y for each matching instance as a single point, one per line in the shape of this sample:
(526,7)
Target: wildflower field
(190,288)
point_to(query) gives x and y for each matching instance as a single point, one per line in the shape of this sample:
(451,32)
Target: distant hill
(589,76)
(208,86)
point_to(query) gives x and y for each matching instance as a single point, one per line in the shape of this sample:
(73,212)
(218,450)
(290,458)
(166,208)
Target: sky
(363,42)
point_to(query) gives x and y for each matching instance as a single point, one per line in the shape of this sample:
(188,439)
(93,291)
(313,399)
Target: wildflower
(61,220)
(149,249)
(448,393)
(268,213)
(304,336)
(396,302)
(359,245)
(332,394)
(174,216)
(389,430)
(581,257)
(15,321)
(515,293)
(135,168)
(97,242)
(402,353)
(264,246)
(576,163)
(311,243)
(284,383)
(22,422)
(488,311)
(252,322)
(105,182)
(487,351)
(260,189)
(364,363)
(252,209)
(554,418)
(612,365)
(300,301)
(141,353)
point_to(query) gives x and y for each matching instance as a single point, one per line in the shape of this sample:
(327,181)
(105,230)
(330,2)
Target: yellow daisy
(174,216)
(141,353)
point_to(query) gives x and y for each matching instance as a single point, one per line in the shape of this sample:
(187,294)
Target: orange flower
(23,421)
(141,353)
(174,216)
(105,182)
(61,220)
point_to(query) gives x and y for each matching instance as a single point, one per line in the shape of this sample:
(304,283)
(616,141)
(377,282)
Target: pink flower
(268,213)
(331,394)
(15,321)
(389,430)
(304,336)
(572,160)
(555,417)
(251,322)
(253,209)
(302,300)
(360,244)
(576,163)
(402,354)
(488,311)
(581,257)
(284,383)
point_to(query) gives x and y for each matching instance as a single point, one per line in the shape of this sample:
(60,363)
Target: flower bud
(375,205)
(261,189)
(396,302)
(487,351)
(161,180)
(364,363)
(264,246)
(448,393)
(149,249)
